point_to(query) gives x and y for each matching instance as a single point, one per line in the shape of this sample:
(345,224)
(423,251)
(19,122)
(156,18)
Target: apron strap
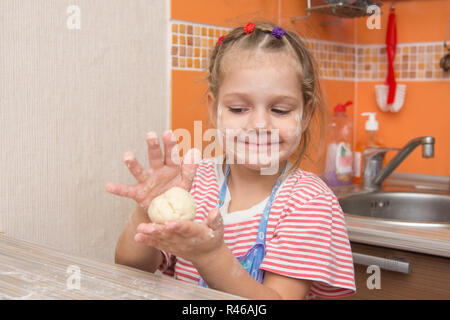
(261,236)
(254,257)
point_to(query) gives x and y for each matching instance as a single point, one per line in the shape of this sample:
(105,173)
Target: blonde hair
(314,108)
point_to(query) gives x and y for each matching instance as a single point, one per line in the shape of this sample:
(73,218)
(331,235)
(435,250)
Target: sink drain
(379,204)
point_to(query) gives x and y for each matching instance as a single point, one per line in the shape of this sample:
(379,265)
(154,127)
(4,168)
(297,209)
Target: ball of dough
(174,204)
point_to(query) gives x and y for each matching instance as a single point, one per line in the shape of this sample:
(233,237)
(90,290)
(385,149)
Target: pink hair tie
(219,42)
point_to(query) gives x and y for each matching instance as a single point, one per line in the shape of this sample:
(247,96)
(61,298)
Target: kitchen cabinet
(428,277)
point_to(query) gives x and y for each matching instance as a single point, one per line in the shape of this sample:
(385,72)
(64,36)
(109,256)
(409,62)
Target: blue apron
(255,255)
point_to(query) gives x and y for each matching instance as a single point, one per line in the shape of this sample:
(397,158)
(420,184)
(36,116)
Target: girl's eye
(237,110)
(280,111)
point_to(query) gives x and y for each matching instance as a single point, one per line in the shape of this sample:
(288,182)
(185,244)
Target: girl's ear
(212,109)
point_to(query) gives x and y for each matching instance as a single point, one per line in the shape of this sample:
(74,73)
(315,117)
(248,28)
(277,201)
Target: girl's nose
(260,120)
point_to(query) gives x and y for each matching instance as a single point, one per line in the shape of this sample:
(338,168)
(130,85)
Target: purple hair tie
(278,32)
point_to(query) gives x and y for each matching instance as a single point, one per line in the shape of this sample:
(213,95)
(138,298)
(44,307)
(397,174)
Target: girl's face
(259,108)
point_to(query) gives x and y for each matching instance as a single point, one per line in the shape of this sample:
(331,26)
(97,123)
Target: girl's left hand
(186,239)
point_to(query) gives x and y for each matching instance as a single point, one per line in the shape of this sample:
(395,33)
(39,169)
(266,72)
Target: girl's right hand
(164,173)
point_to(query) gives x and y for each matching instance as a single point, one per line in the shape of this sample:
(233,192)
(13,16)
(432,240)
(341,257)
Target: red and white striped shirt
(306,233)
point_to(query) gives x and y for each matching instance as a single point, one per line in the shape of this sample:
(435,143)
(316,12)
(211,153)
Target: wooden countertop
(31,271)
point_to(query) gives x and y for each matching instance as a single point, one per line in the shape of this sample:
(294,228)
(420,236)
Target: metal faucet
(373,172)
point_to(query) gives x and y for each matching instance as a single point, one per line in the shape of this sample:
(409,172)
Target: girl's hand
(186,239)
(164,173)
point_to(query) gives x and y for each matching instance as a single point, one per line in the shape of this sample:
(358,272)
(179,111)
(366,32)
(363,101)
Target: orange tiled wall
(350,67)
(421,27)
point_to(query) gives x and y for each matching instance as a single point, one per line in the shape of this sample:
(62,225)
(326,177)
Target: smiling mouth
(260,145)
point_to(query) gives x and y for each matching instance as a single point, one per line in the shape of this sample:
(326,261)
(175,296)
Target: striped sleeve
(310,242)
(167,267)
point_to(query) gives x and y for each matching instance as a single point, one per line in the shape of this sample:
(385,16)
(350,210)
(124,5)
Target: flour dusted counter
(31,271)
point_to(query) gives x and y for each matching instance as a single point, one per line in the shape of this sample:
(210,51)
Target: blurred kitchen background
(73,100)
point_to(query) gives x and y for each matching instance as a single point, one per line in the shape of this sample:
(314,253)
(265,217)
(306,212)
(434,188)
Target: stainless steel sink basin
(406,206)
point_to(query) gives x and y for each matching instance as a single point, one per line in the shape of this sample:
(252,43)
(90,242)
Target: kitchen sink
(406,206)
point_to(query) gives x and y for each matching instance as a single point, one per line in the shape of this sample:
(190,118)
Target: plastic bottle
(370,138)
(339,158)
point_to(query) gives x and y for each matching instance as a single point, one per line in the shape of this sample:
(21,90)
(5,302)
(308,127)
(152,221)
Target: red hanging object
(391,46)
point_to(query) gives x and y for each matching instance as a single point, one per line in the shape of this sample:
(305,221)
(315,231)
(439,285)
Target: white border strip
(169,62)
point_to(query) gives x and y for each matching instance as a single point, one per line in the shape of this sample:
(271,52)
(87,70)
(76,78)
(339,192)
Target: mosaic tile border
(191,45)
(416,61)
(336,60)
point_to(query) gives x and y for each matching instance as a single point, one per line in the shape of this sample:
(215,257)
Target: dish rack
(340,9)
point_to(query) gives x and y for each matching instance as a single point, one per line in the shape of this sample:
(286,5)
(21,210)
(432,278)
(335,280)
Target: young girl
(256,235)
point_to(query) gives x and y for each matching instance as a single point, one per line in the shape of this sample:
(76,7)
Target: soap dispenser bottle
(369,139)
(339,158)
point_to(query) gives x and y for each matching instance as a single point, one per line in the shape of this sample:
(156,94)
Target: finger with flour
(171,153)
(136,169)
(214,219)
(155,156)
(189,167)
(122,190)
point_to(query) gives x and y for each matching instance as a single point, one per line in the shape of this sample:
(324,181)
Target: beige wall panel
(71,103)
